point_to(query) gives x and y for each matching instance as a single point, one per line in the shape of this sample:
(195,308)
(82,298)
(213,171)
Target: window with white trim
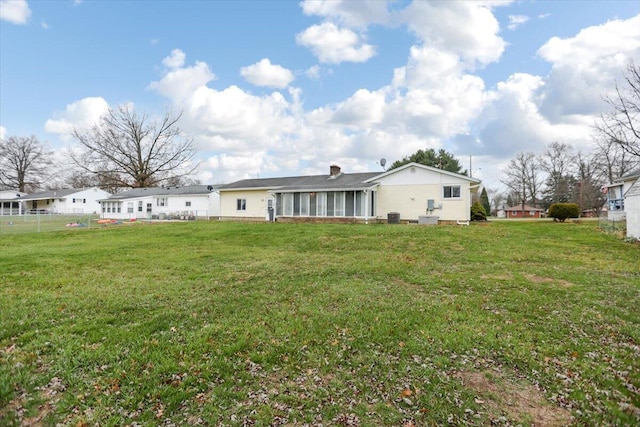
(241,204)
(451,192)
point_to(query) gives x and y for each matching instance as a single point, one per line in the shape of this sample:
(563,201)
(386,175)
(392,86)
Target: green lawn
(230,324)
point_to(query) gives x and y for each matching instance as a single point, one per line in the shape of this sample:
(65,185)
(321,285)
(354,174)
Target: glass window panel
(312,204)
(304,204)
(350,203)
(339,203)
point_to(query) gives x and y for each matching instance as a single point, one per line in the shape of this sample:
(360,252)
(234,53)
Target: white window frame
(241,205)
(451,195)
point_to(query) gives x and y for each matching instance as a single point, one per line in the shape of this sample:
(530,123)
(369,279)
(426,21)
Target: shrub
(477,212)
(562,211)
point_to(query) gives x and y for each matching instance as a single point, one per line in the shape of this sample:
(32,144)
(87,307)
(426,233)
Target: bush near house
(478,213)
(561,211)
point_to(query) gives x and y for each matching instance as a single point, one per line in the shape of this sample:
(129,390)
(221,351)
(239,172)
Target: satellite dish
(383,162)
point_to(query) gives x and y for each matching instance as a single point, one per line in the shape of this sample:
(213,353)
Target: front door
(271,209)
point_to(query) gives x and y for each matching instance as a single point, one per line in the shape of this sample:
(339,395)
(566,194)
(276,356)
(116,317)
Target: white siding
(632,209)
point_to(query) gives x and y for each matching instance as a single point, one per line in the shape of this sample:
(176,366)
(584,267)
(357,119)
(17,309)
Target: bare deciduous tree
(523,178)
(25,163)
(611,161)
(131,150)
(621,125)
(558,161)
(588,191)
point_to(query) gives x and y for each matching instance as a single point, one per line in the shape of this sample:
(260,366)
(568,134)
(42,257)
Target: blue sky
(277,88)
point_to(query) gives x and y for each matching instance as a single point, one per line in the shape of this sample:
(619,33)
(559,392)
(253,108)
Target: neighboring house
(517,212)
(632,198)
(623,199)
(617,196)
(64,201)
(178,202)
(9,203)
(408,192)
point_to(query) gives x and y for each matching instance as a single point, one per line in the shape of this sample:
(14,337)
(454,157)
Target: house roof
(11,194)
(428,168)
(526,208)
(634,190)
(342,181)
(185,190)
(52,194)
(630,176)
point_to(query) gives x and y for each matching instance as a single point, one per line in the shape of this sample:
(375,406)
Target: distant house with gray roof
(167,202)
(9,203)
(63,201)
(410,191)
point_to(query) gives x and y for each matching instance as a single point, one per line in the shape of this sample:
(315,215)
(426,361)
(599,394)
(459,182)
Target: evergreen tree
(484,200)
(441,159)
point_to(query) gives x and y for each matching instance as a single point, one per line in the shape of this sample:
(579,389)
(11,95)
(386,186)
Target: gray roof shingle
(343,181)
(51,194)
(163,191)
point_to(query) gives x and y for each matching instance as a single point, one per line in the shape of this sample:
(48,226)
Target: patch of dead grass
(548,280)
(518,400)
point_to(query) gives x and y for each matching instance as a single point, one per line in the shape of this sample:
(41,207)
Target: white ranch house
(63,201)
(178,202)
(411,193)
(9,203)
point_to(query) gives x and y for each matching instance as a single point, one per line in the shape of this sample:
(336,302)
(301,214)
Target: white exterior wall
(202,205)
(256,204)
(407,192)
(80,202)
(632,209)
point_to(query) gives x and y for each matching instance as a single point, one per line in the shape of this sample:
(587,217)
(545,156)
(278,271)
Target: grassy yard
(230,324)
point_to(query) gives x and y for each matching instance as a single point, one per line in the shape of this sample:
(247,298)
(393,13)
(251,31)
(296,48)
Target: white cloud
(180,83)
(585,67)
(331,44)
(264,73)
(363,109)
(175,59)
(313,72)
(15,11)
(467,29)
(516,20)
(83,113)
(44,25)
(3,132)
(351,13)
(225,119)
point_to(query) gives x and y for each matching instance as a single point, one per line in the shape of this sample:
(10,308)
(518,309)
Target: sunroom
(358,203)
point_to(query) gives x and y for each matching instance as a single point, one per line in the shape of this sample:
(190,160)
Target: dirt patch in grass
(548,280)
(49,395)
(520,401)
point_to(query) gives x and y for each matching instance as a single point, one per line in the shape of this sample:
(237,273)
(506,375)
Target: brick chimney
(334,170)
